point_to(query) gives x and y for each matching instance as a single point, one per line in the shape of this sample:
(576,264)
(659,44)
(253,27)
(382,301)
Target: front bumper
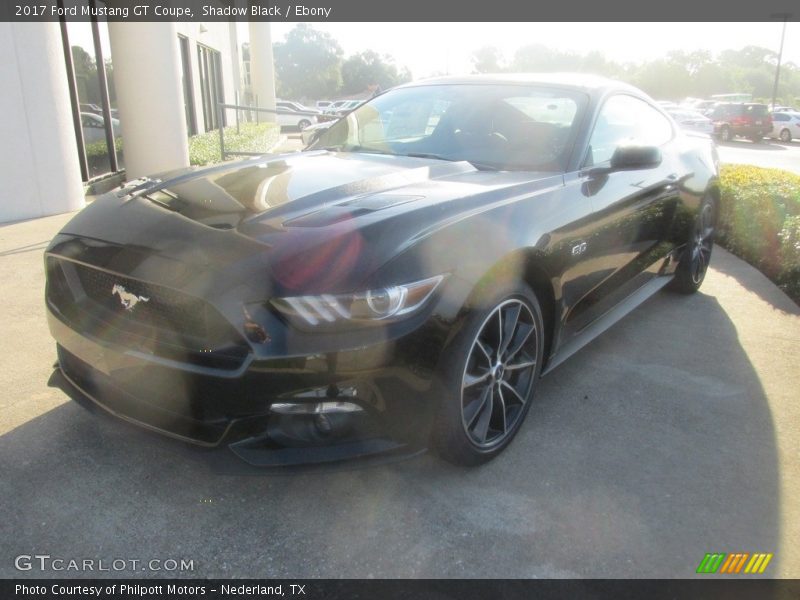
(210,407)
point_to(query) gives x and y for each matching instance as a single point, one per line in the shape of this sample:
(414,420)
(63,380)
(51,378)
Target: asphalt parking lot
(771,154)
(674,434)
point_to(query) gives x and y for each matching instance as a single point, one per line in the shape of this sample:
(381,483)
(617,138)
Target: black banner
(406,11)
(431,589)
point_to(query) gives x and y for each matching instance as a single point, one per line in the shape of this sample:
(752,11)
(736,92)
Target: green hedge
(252,137)
(759,221)
(99,149)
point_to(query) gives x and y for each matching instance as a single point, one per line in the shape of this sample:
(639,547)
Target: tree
(487,60)
(307,64)
(369,68)
(85,76)
(533,58)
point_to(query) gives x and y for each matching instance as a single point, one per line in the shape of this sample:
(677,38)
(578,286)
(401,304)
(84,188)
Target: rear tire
(488,380)
(303,124)
(693,266)
(725,135)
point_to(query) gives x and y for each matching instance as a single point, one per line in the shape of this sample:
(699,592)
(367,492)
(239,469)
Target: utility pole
(785,17)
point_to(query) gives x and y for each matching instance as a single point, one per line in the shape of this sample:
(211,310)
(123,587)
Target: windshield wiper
(477,165)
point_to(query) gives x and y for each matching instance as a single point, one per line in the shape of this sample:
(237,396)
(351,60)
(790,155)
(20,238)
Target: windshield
(499,127)
(757,110)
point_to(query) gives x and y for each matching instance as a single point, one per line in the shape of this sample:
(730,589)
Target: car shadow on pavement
(754,282)
(652,446)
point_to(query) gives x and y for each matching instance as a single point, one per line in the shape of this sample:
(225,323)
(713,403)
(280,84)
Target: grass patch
(759,221)
(252,137)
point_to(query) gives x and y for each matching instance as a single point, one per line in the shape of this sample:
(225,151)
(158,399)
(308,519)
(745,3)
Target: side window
(624,120)
(780,117)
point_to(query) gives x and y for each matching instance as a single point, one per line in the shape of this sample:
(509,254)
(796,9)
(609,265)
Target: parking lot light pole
(785,17)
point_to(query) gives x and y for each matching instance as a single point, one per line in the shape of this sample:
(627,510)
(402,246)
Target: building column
(147,77)
(39,169)
(262,67)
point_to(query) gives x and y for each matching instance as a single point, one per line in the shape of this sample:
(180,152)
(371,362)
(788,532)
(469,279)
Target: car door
(287,117)
(779,121)
(632,210)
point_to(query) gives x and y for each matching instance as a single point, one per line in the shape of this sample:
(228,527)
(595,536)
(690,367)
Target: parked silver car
(691,120)
(785,126)
(292,117)
(94,128)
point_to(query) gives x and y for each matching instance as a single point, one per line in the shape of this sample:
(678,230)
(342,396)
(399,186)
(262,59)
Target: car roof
(579,81)
(742,104)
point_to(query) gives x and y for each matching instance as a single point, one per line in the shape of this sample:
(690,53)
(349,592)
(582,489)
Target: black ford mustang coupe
(405,281)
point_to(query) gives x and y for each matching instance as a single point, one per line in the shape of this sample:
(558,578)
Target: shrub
(789,277)
(252,137)
(759,221)
(99,148)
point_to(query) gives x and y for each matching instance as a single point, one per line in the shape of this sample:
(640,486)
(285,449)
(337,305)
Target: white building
(161,83)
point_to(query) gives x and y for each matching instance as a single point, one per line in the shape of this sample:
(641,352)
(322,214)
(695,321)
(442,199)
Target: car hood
(295,210)
(286,185)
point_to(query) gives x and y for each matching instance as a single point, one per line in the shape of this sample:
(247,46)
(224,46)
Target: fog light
(314,408)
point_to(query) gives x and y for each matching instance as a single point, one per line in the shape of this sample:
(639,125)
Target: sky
(435,48)
(430,48)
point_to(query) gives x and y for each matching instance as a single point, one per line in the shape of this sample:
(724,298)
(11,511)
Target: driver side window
(624,120)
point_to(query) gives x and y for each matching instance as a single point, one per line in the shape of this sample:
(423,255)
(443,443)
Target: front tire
(786,136)
(303,124)
(489,378)
(692,269)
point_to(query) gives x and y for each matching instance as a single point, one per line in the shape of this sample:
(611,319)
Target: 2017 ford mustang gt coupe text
(402,283)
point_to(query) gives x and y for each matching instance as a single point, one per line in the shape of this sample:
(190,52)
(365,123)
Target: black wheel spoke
(502,408)
(470,380)
(509,324)
(523,333)
(487,352)
(485,416)
(525,364)
(474,408)
(510,388)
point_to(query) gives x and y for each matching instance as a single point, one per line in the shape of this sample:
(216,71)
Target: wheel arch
(713,190)
(526,265)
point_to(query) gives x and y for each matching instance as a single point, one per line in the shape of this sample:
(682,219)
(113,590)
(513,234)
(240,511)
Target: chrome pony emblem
(128,299)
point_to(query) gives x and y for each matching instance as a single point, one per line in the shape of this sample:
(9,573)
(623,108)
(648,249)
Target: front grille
(163,308)
(164,321)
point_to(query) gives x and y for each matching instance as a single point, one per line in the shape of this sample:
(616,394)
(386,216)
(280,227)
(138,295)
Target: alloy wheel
(703,242)
(499,374)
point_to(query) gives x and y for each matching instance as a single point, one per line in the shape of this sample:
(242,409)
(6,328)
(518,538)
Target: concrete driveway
(674,434)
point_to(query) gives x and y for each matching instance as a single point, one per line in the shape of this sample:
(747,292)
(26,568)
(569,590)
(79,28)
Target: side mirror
(631,157)
(318,132)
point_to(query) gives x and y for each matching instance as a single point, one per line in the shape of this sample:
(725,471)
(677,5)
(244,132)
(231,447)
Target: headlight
(382,304)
